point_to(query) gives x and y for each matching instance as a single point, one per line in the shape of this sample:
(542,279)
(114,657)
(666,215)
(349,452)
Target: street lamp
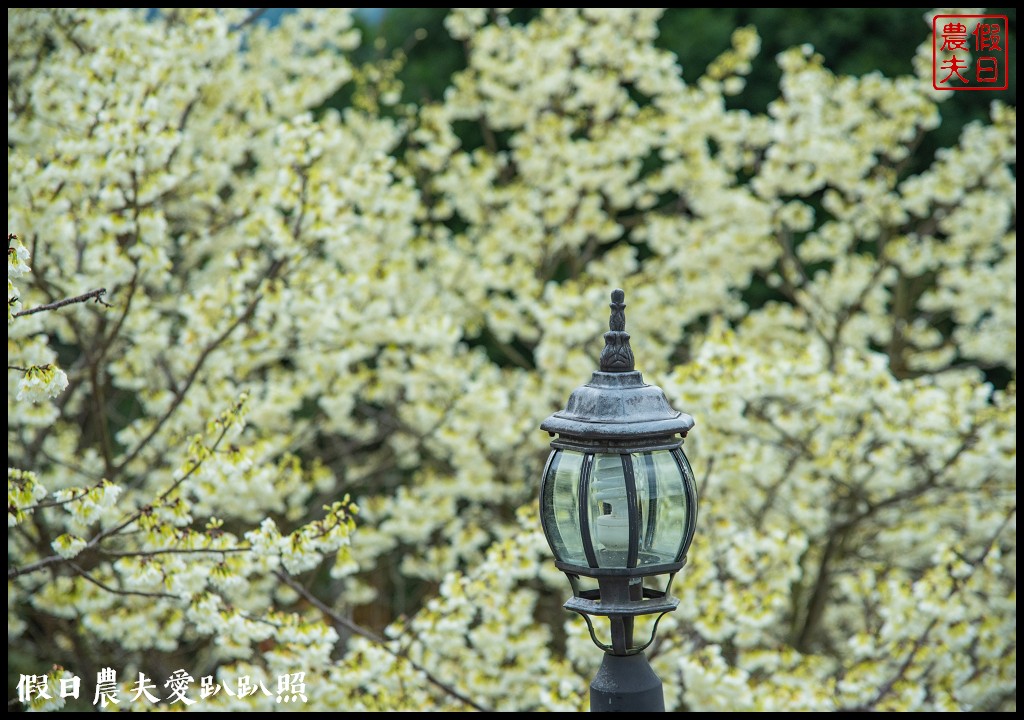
(618,505)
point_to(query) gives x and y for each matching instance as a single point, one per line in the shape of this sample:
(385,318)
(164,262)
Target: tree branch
(372,637)
(138,593)
(253,17)
(171,551)
(816,604)
(58,503)
(179,396)
(160,498)
(923,637)
(15,572)
(109,340)
(91,295)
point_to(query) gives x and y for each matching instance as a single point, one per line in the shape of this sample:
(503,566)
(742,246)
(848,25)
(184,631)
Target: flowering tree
(299,434)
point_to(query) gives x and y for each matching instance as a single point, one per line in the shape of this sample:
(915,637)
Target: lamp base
(626,684)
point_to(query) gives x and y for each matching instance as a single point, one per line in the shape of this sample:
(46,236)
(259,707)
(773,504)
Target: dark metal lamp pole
(618,506)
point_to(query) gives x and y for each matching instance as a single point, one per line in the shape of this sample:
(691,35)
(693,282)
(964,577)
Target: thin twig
(58,503)
(91,295)
(179,396)
(160,498)
(96,478)
(109,340)
(253,17)
(99,584)
(68,34)
(14,572)
(171,551)
(923,638)
(372,637)
(326,610)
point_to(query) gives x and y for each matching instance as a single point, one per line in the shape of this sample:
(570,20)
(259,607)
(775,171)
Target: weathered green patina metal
(619,506)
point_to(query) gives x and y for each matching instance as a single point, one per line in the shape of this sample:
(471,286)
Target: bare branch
(160,498)
(253,17)
(15,572)
(179,396)
(326,610)
(91,295)
(173,551)
(58,503)
(372,637)
(920,641)
(109,340)
(819,594)
(116,591)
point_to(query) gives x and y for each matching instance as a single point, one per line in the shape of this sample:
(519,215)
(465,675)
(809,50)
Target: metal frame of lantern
(619,503)
(621,595)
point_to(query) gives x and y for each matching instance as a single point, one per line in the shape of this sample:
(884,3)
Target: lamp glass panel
(664,506)
(560,507)
(609,511)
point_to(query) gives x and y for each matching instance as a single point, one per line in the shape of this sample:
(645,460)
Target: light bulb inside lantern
(609,488)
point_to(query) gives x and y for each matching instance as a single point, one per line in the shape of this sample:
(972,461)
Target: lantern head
(618,499)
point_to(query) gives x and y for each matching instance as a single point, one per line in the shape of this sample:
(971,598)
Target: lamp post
(618,505)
